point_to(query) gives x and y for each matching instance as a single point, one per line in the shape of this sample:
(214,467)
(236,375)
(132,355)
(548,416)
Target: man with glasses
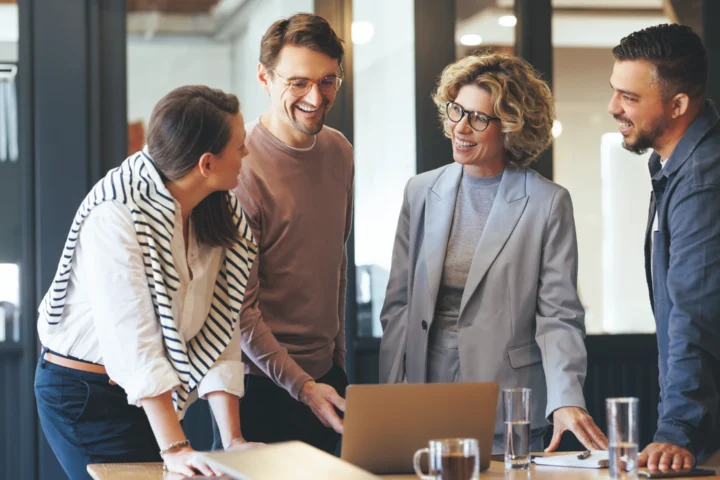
(296,187)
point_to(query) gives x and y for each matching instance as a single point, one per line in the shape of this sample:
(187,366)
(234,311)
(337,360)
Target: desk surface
(153,471)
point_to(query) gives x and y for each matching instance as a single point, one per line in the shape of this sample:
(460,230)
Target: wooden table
(153,471)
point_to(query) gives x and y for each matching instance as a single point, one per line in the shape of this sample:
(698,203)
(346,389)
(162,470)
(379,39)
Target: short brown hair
(302,30)
(186,123)
(521,99)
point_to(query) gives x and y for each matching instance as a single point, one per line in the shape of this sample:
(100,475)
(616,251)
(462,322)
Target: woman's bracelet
(234,441)
(175,446)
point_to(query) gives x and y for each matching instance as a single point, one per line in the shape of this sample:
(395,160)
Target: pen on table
(586,454)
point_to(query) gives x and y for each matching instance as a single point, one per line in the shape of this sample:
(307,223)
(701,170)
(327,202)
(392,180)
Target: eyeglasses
(478,121)
(301,86)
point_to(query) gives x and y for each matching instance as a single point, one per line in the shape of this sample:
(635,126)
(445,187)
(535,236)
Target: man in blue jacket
(659,102)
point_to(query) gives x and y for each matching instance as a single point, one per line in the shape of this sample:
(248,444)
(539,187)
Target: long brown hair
(185,124)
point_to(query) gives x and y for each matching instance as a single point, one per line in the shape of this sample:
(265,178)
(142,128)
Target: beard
(310,127)
(644,140)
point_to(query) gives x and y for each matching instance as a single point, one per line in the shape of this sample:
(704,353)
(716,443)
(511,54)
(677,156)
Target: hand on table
(186,462)
(581,424)
(663,457)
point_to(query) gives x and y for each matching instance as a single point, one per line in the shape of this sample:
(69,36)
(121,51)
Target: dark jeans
(86,420)
(269,414)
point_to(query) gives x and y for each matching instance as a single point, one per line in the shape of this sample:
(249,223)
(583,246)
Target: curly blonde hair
(521,99)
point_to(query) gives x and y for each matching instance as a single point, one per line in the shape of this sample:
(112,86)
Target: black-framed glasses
(301,86)
(478,121)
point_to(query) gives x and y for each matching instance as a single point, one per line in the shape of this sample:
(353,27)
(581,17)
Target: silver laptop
(296,460)
(385,424)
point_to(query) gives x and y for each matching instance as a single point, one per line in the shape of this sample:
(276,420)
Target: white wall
(156,66)
(246,51)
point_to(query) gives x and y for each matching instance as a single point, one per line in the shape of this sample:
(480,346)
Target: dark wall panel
(711,38)
(72,108)
(533,42)
(433,52)
(10,421)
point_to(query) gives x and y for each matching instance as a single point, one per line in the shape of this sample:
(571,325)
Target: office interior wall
(246,50)
(156,66)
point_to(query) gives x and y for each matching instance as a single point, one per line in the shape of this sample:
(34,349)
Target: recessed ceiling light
(471,40)
(362,32)
(557,129)
(507,21)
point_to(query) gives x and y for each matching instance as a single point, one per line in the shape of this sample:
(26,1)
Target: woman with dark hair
(144,307)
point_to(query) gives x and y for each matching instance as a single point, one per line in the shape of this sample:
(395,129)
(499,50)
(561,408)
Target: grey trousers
(443,366)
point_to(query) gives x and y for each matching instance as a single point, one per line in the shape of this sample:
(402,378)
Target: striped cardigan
(137,184)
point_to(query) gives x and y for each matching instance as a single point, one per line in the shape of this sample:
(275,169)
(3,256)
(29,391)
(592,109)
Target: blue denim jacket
(685,287)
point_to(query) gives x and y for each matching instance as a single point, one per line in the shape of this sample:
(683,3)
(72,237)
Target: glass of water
(622,422)
(516,408)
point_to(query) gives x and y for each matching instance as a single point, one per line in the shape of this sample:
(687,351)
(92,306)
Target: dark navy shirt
(684,281)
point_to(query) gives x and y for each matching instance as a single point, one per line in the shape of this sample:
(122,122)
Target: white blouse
(109,317)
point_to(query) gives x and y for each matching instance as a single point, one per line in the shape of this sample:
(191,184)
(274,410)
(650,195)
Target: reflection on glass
(384,79)
(483,26)
(9,302)
(610,188)
(626,308)
(10,180)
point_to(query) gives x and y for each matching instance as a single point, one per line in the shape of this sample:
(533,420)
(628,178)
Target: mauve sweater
(299,206)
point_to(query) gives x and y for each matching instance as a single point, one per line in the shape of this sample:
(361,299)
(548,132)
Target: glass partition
(384,130)
(11,248)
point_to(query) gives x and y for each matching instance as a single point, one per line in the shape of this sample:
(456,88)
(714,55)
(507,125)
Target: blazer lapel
(506,211)
(439,210)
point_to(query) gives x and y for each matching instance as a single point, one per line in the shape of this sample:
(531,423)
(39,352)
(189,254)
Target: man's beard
(314,129)
(645,140)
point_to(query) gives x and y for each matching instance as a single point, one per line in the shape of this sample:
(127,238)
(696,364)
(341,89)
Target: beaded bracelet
(175,446)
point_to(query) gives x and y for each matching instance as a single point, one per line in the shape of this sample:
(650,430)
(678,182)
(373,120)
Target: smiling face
(638,106)
(482,153)
(292,118)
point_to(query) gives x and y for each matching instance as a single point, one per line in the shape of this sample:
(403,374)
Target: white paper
(572,460)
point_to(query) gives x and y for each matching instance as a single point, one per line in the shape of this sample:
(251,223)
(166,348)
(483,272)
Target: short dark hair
(185,124)
(676,51)
(302,30)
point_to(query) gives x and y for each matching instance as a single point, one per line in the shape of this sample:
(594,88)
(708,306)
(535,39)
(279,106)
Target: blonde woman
(484,272)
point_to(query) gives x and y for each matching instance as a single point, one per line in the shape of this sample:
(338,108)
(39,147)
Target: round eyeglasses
(301,86)
(478,121)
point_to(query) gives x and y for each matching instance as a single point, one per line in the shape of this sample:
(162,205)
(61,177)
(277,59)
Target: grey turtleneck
(474,201)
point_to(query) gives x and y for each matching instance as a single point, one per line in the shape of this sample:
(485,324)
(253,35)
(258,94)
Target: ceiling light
(362,32)
(471,40)
(557,129)
(507,21)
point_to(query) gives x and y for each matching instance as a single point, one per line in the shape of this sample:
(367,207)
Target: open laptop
(296,460)
(385,424)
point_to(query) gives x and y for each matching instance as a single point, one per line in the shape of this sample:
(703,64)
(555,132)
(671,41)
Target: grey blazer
(521,323)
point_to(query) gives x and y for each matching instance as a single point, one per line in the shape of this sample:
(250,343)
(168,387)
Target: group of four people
(169,282)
